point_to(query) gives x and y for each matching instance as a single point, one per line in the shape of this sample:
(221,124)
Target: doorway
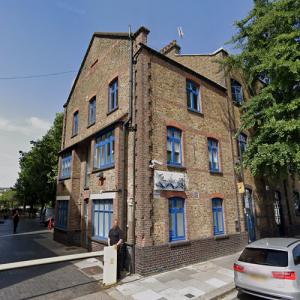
(86,222)
(278,213)
(250,215)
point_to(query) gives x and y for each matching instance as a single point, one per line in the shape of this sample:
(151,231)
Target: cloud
(16,136)
(30,127)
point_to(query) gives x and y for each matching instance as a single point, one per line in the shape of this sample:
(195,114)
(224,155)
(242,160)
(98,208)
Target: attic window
(94,63)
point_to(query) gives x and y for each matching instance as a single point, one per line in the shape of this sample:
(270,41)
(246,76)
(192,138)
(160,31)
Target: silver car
(270,268)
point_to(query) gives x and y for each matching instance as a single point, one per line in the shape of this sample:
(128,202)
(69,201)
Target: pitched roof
(183,67)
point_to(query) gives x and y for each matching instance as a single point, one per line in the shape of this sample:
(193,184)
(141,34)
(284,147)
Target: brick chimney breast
(141,35)
(171,47)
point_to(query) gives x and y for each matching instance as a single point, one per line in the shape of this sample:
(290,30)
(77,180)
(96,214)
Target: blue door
(250,215)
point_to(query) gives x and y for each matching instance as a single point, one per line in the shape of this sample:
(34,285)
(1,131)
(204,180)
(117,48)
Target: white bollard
(110,265)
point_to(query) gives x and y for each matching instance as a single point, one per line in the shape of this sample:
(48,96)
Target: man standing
(115,238)
(16,219)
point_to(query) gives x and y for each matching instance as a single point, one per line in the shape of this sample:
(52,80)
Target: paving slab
(203,281)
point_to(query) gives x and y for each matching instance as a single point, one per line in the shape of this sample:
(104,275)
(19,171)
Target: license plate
(257,277)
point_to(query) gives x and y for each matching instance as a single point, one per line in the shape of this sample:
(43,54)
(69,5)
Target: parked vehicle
(270,268)
(46,216)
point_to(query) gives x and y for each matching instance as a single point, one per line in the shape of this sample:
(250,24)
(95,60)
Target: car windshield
(265,257)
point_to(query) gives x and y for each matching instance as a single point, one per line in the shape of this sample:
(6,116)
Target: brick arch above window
(213,137)
(175,124)
(172,194)
(216,195)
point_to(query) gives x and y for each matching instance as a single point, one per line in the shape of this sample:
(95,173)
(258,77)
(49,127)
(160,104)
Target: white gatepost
(110,265)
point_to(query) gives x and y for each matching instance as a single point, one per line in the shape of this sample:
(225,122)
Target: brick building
(149,139)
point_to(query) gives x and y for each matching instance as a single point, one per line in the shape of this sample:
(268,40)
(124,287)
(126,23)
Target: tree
(8,198)
(269,43)
(36,183)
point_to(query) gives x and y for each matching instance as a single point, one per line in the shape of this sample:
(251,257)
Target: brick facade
(159,101)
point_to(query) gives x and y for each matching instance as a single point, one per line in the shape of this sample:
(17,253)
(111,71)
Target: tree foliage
(36,183)
(8,198)
(269,43)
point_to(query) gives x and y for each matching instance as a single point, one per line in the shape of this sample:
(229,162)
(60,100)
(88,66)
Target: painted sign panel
(169,181)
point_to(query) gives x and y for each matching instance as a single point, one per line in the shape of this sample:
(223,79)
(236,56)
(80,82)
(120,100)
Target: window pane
(177,134)
(267,257)
(195,101)
(220,221)
(180,226)
(101,229)
(172,224)
(169,132)
(95,222)
(179,203)
(189,103)
(106,222)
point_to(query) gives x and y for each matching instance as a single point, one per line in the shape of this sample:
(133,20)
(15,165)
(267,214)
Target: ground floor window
(102,218)
(62,214)
(176,219)
(217,207)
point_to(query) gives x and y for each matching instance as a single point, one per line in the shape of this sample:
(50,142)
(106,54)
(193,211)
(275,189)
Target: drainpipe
(127,127)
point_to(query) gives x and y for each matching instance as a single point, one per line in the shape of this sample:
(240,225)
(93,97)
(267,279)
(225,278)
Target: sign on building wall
(169,181)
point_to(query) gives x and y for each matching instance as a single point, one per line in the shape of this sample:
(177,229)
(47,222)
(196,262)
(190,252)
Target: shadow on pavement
(39,280)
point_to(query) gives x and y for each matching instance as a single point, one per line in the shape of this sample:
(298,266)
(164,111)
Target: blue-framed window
(61,219)
(66,166)
(92,111)
(176,219)
(218,216)
(213,151)
(113,95)
(104,151)
(75,123)
(243,143)
(237,92)
(174,146)
(102,218)
(193,96)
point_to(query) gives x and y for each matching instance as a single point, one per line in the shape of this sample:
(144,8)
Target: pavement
(81,280)
(61,281)
(207,280)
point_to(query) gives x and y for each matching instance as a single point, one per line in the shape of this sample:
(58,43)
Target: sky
(51,36)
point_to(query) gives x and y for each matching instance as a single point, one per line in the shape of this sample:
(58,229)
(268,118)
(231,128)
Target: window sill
(73,135)
(179,243)
(103,169)
(99,240)
(199,113)
(63,179)
(90,125)
(237,104)
(221,237)
(177,167)
(112,111)
(216,173)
